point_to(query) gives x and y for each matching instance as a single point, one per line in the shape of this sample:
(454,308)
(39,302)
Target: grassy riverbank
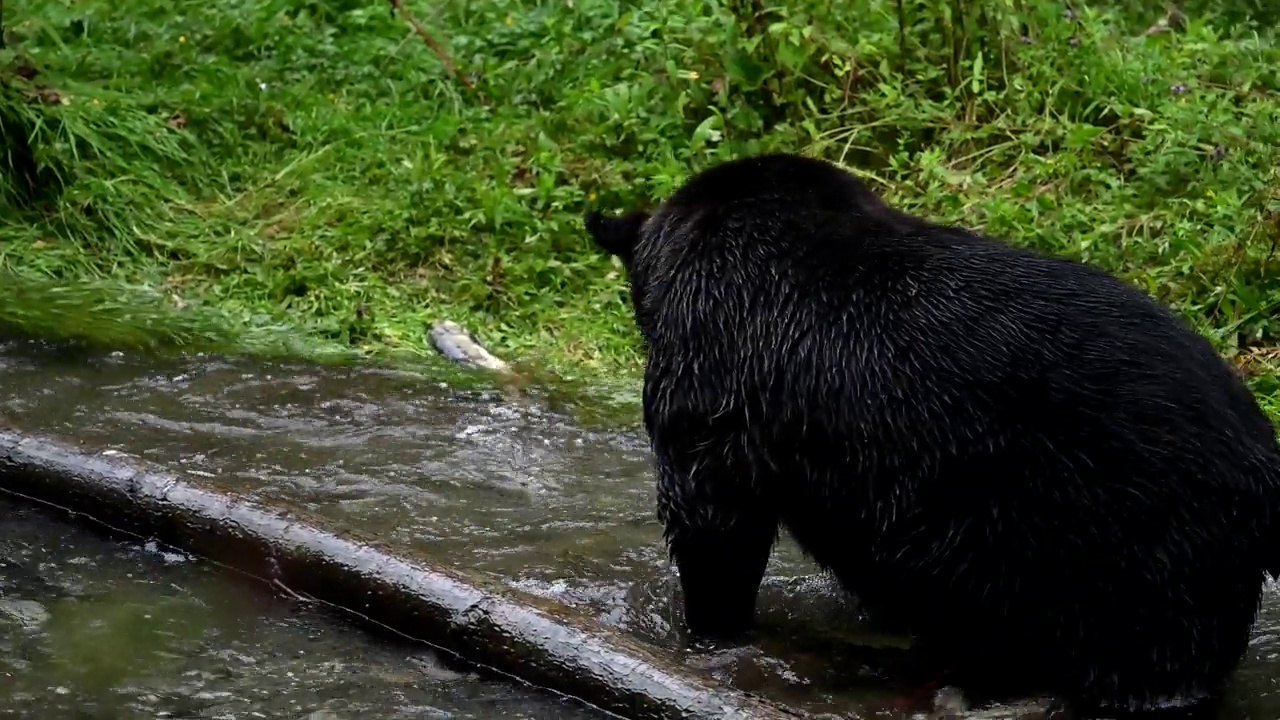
(306,174)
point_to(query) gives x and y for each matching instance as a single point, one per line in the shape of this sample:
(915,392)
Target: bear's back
(797,296)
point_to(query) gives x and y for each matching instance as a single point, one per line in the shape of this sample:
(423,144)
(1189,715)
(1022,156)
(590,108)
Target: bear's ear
(616,235)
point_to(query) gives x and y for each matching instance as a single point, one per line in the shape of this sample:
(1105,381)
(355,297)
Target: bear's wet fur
(1043,474)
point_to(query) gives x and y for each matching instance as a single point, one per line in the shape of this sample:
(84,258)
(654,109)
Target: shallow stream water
(91,628)
(476,481)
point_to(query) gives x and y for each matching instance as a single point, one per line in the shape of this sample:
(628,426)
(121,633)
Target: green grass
(305,176)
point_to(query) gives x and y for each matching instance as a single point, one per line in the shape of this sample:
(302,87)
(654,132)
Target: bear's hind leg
(719,534)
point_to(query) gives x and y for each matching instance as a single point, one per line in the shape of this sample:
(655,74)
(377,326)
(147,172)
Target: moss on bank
(305,174)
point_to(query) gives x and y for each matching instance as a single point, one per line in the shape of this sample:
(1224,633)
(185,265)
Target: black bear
(1035,468)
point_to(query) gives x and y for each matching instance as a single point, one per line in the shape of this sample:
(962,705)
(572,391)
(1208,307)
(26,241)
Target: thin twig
(398,6)
(902,37)
(291,593)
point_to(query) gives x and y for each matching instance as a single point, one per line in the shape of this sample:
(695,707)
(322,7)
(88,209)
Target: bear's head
(736,219)
(628,237)
(616,235)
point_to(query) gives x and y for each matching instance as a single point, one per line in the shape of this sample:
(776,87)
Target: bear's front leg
(719,533)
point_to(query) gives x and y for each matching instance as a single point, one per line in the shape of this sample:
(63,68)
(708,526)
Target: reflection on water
(96,629)
(471,480)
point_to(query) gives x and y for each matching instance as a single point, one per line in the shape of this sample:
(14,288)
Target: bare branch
(398,6)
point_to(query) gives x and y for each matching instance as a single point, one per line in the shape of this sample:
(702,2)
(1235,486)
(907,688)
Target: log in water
(523,637)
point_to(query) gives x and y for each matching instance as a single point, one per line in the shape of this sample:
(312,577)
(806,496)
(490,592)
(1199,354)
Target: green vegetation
(288,175)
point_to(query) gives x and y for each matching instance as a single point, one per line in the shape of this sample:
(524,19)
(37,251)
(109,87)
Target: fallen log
(520,636)
(525,638)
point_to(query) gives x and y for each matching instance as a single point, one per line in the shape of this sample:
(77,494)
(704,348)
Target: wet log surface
(522,637)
